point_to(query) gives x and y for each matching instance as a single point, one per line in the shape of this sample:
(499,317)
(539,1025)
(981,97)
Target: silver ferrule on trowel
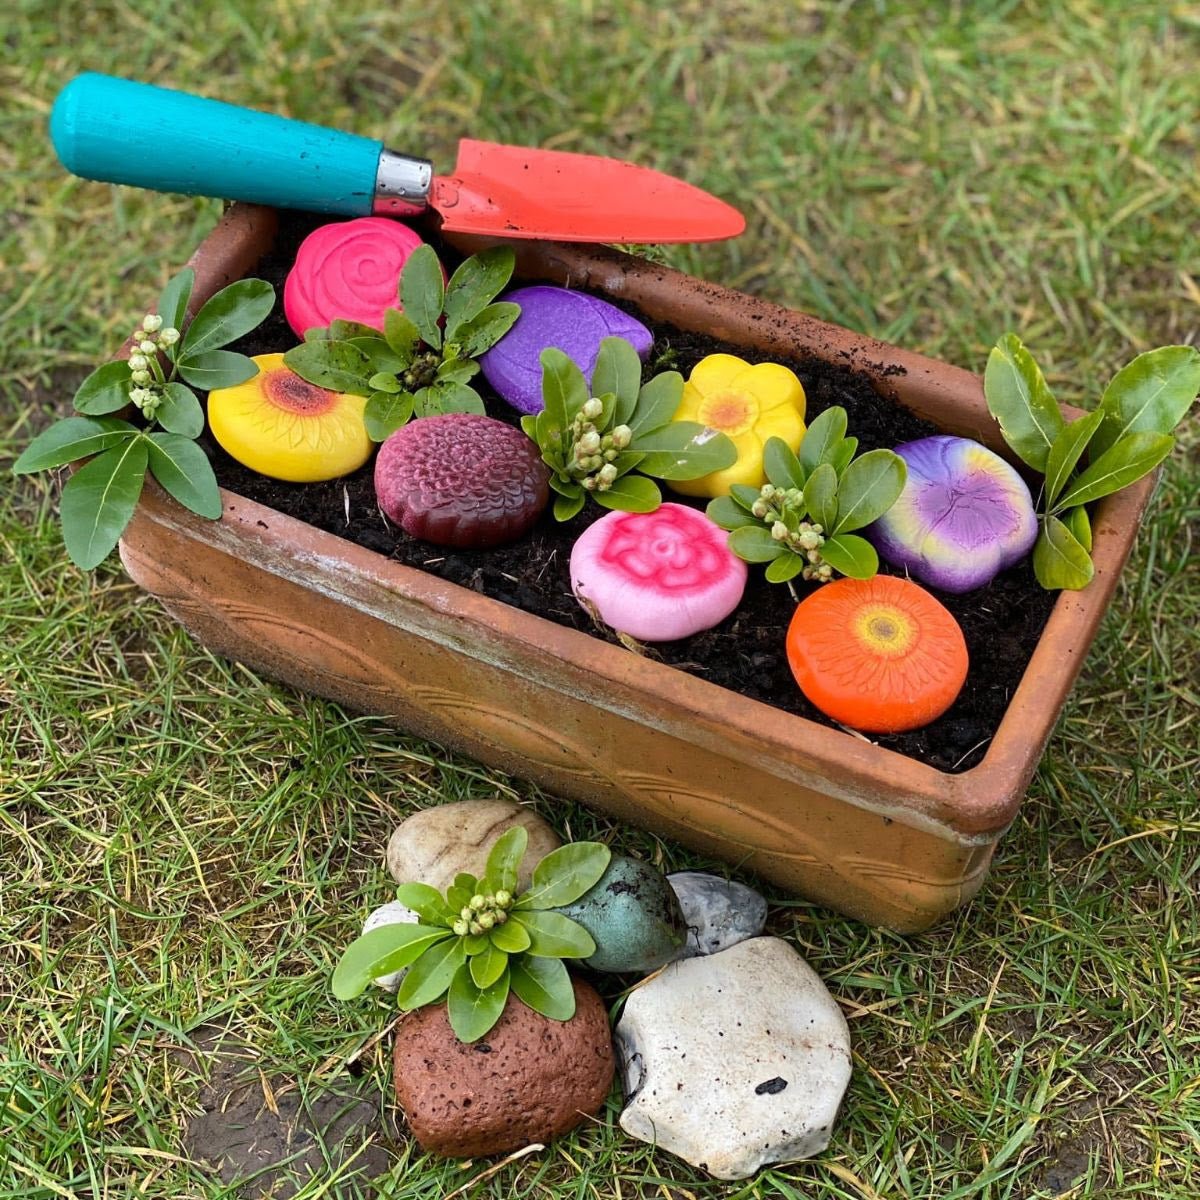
(402,184)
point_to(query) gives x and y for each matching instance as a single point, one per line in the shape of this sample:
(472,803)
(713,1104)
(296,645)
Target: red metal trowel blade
(516,192)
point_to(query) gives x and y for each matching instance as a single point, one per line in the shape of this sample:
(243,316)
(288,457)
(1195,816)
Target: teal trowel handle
(120,131)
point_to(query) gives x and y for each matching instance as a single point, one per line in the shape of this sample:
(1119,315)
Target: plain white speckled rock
(392,913)
(719,912)
(734,1060)
(435,844)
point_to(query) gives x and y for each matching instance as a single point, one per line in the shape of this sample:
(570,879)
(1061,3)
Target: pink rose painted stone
(348,271)
(461,479)
(963,517)
(657,576)
(573,322)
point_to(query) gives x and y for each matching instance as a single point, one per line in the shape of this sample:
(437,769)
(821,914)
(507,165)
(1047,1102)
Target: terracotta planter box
(818,812)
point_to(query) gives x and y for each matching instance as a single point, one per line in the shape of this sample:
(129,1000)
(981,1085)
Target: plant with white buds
(609,443)
(800,521)
(482,941)
(99,498)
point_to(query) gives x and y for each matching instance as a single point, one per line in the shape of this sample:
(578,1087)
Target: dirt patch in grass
(1085,1140)
(268,1136)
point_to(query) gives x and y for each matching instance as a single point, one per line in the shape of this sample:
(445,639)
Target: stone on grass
(435,844)
(634,917)
(392,913)
(719,912)
(734,1060)
(529,1079)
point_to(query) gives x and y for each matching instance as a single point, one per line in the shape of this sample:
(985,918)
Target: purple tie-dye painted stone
(553,316)
(964,515)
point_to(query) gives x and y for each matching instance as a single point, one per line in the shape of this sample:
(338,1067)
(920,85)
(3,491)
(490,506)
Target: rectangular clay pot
(862,829)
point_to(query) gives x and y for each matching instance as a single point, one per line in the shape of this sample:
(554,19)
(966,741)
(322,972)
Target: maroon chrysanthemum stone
(461,480)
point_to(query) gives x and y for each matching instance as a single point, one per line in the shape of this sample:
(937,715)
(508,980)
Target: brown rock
(528,1080)
(435,844)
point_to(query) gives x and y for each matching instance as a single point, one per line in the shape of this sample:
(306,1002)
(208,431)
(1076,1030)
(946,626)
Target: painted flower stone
(657,576)
(347,270)
(573,322)
(749,404)
(963,517)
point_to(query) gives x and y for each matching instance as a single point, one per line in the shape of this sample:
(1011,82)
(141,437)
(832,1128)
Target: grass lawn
(184,845)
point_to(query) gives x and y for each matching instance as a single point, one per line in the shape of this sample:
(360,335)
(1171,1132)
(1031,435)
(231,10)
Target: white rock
(435,844)
(719,912)
(734,1060)
(392,913)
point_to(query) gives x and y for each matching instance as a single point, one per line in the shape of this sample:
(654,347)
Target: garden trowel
(120,131)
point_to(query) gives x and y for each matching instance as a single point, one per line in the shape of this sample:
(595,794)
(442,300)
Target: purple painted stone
(964,515)
(553,316)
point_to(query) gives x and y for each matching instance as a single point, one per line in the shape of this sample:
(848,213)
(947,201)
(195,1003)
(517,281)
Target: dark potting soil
(745,653)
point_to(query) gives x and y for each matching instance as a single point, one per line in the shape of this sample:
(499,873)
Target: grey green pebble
(634,917)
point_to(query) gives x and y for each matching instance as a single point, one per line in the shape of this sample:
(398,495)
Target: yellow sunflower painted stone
(284,427)
(748,403)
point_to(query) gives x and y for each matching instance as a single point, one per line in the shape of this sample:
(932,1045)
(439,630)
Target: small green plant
(1124,438)
(415,368)
(800,522)
(594,439)
(98,500)
(482,941)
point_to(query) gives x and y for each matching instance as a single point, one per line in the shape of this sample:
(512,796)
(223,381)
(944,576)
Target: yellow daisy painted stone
(287,428)
(749,404)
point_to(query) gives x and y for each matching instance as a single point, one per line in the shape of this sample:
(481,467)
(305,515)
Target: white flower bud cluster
(483,912)
(773,501)
(779,508)
(144,372)
(594,453)
(146,400)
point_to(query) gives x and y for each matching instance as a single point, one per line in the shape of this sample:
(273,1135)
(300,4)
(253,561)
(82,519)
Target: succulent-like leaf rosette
(480,942)
(802,520)
(169,356)
(607,437)
(420,359)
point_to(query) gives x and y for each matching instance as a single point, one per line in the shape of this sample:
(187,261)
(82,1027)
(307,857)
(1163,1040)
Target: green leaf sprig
(482,942)
(99,499)
(801,521)
(1124,438)
(416,367)
(595,439)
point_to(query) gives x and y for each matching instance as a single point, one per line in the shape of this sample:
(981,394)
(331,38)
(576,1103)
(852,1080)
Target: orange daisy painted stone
(881,655)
